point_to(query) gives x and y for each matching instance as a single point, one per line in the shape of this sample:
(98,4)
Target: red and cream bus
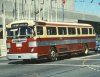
(28,39)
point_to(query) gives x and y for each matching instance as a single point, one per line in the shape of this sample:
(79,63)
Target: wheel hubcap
(53,55)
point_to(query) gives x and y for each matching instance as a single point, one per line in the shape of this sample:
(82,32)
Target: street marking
(84,58)
(64,65)
(90,56)
(94,69)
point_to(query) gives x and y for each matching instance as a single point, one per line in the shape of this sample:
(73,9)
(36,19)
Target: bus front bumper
(22,56)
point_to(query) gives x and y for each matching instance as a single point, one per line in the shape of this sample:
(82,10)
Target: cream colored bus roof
(66,24)
(31,23)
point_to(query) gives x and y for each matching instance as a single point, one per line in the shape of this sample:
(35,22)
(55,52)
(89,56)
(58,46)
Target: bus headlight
(8,45)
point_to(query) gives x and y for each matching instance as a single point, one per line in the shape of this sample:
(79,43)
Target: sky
(85,6)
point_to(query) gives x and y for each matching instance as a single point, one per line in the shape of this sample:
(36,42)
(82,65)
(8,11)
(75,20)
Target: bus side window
(51,31)
(39,30)
(90,31)
(84,30)
(71,31)
(62,31)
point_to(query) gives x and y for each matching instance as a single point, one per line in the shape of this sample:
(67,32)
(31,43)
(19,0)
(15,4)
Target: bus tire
(52,54)
(85,49)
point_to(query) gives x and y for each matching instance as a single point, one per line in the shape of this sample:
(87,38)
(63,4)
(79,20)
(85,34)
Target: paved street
(76,66)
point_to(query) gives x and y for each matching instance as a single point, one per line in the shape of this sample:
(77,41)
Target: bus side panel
(43,50)
(68,48)
(75,47)
(92,45)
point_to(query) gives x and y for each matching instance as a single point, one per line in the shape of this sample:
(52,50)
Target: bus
(29,39)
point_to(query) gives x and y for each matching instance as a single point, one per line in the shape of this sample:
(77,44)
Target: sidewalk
(3,58)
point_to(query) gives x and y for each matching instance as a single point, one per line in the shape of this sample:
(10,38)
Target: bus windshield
(21,31)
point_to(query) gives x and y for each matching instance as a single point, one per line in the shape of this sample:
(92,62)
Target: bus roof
(62,23)
(32,22)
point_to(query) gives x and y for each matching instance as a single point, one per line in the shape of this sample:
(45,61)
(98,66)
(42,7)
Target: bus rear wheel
(52,54)
(85,49)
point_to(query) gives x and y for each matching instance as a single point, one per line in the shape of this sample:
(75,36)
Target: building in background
(47,10)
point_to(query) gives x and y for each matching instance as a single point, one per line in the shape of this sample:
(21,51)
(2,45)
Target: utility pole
(62,11)
(15,10)
(29,11)
(3,48)
(35,10)
(51,10)
(56,4)
(48,2)
(22,9)
(43,10)
(39,10)
(13,2)
(18,9)
(3,21)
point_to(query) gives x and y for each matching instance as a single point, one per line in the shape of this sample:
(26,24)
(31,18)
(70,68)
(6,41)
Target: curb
(3,58)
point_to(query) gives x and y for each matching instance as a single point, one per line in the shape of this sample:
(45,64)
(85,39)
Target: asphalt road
(77,66)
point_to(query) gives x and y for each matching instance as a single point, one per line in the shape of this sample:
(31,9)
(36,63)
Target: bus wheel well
(85,44)
(54,48)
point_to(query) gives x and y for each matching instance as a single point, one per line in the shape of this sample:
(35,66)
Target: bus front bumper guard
(22,56)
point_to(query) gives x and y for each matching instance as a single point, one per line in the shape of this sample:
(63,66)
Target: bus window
(10,32)
(71,31)
(62,31)
(51,31)
(90,30)
(84,30)
(25,30)
(39,30)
